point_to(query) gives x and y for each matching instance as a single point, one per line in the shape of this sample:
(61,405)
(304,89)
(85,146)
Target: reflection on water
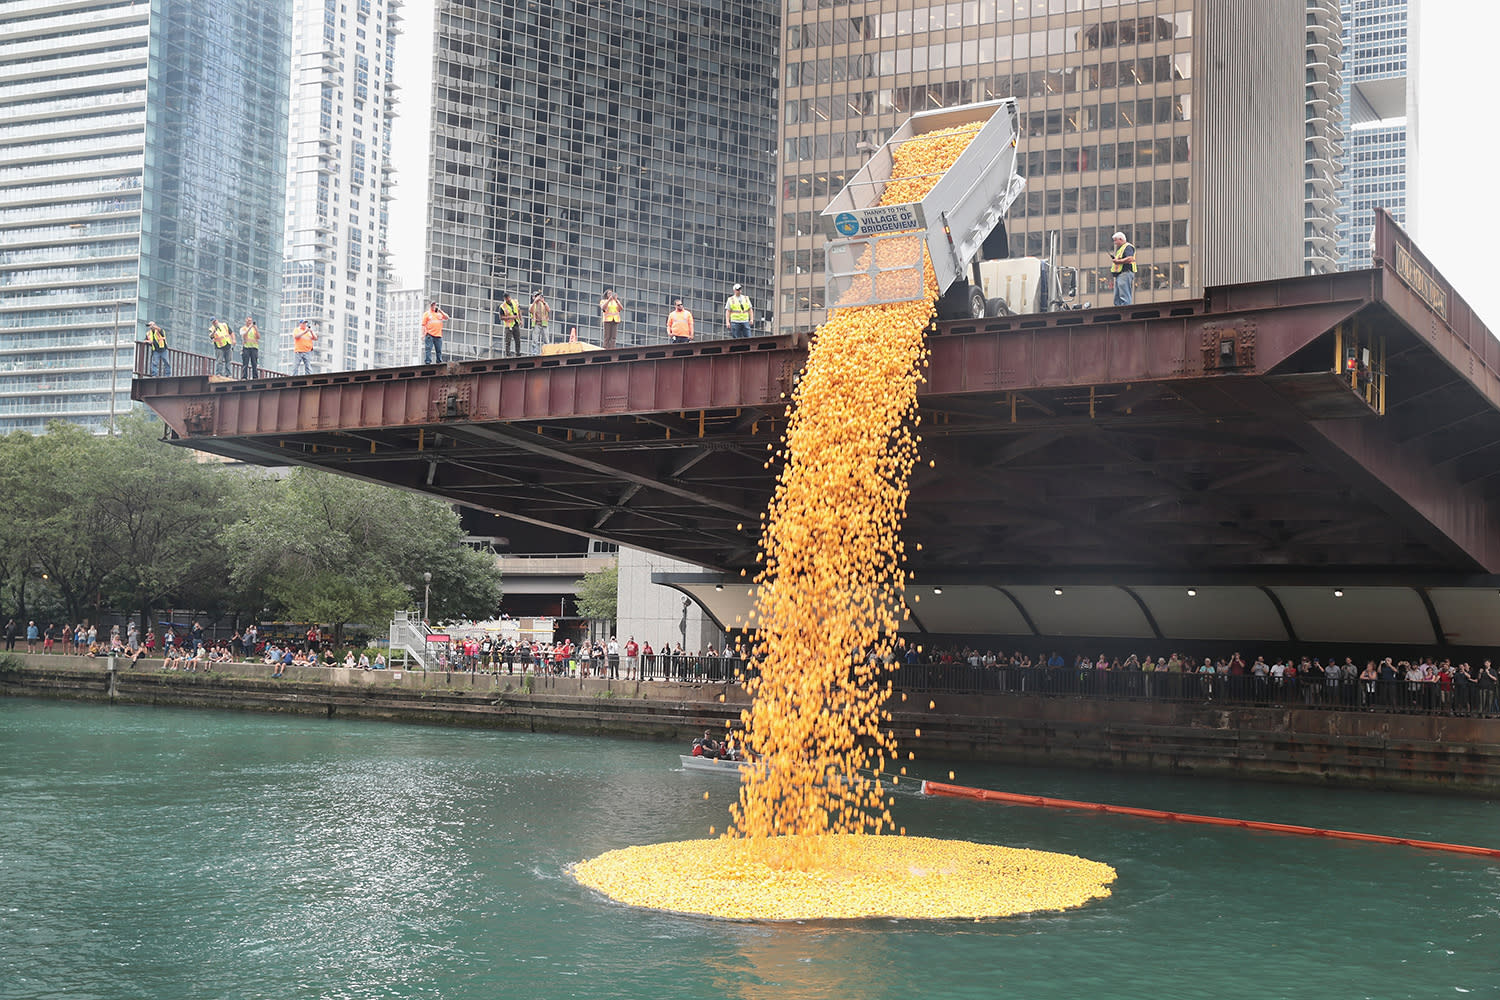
(772,963)
(176,855)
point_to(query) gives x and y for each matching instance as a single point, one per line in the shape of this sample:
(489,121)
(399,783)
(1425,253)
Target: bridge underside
(1219,442)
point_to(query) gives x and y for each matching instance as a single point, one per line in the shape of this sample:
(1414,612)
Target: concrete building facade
(584,148)
(1183,123)
(339,177)
(138,181)
(401,343)
(1380,103)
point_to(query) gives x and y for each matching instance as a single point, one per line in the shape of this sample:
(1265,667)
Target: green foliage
(333,549)
(599,594)
(90,522)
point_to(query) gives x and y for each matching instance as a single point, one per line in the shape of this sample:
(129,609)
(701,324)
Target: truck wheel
(976,302)
(997,307)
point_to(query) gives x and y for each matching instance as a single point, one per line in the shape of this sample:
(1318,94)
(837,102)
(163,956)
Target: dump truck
(871,256)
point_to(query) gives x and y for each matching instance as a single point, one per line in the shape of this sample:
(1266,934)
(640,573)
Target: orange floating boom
(987,795)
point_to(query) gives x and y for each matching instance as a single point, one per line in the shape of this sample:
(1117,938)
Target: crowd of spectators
(1420,684)
(1423,683)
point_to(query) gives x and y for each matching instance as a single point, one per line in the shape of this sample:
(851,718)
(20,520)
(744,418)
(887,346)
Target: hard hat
(736,287)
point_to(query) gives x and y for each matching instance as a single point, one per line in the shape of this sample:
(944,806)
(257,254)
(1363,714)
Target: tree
(599,594)
(332,549)
(159,514)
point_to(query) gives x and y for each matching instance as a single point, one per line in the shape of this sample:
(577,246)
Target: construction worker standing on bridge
(250,348)
(222,338)
(1122,267)
(611,312)
(679,324)
(432,334)
(156,340)
(303,339)
(510,319)
(739,315)
(541,315)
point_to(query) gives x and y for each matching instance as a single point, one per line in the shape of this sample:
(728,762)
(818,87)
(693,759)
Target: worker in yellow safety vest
(679,324)
(156,342)
(250,348)
(739,315)
(510,319)
(611,312)
(1122,267)
(303,339)
(222,338)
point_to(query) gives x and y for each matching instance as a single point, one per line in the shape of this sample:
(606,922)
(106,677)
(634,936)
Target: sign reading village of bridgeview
(875,221)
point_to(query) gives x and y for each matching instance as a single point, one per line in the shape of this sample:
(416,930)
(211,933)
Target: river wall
(1347,748)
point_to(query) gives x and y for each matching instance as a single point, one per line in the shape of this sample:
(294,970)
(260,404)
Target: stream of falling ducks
(831,594)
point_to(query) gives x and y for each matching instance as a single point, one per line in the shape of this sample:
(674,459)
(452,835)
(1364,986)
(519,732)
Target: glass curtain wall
(1106,98)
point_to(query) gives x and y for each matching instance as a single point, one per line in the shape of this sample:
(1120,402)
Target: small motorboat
(692,763)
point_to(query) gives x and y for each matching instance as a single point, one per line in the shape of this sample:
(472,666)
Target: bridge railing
(181,363)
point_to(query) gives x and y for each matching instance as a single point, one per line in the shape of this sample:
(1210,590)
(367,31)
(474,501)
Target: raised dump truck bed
(868,261)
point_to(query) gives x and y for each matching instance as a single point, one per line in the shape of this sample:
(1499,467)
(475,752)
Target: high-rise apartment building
(1185,123)
(578,148)
(1380,109)
(339,177)
(402,343)
(141,155)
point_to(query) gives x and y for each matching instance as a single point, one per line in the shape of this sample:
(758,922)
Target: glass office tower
(1185,123)
(1382,116)
(578,148)
(142,158)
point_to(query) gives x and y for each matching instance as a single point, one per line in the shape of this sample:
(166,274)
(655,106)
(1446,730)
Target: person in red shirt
(432,335)
(632,658)
(648,663)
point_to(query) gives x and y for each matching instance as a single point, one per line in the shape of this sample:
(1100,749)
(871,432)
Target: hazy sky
(1456,140)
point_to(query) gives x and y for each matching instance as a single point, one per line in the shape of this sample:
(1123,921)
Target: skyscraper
(402,343)
(578,148)
(1185,123)
(338,171)
(1381,113)
(141,156)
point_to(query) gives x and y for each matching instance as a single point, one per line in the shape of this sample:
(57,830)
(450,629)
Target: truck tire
(996,307)
(976,303)
(962,301)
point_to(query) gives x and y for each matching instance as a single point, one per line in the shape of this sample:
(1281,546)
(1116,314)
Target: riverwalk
(1326,745)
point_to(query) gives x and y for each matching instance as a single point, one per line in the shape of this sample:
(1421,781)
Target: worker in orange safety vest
(303,339)
(679,325)
(432,335)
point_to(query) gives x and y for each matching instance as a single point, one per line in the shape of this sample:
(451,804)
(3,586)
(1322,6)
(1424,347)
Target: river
(173,854)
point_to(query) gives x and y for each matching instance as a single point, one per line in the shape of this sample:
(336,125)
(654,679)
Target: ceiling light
(1192,592)
(1057,591)
(1338,593)
(718,586)
(937,590)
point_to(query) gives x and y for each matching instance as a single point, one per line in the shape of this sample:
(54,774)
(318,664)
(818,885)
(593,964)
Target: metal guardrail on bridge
(186,363)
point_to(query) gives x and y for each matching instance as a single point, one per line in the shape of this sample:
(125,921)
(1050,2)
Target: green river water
(179,855)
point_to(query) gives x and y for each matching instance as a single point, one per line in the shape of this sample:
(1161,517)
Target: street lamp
(426,592)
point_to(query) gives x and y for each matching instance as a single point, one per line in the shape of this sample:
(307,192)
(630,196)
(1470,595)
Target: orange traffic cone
(573,335)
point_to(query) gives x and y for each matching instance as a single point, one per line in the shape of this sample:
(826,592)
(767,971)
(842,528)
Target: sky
(1455,144)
